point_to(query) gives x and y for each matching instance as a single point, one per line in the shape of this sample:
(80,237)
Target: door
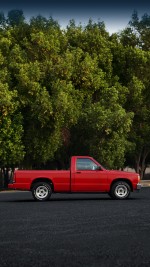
(88,177)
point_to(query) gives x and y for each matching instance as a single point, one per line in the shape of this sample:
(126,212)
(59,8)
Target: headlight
(139,178)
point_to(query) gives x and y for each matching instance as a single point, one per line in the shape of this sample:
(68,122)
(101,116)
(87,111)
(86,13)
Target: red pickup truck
(85,175)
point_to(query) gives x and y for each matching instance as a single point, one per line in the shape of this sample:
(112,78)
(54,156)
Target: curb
(145,183)
(12,191)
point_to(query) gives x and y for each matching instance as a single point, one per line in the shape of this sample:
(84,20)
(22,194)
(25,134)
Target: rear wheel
(120,190)
(41,191)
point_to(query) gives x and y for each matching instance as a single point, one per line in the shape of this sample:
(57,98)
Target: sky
(115,14)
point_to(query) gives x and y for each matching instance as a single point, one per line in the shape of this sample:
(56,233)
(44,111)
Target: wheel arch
(122,180)
(42,179)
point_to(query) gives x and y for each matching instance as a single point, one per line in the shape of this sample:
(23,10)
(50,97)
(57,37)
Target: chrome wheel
(41,192)
(121,191)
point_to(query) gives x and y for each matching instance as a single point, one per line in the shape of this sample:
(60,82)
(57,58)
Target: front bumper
(138,186)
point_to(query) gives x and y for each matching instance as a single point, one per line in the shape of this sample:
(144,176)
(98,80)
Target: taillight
(138,178)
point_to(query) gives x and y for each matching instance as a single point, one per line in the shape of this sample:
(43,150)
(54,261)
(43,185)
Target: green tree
(74,91)
(141,28)
(15,17)
(103,129)
(41,74)
(131,65)
(100,130)
(2,20)
(11,129)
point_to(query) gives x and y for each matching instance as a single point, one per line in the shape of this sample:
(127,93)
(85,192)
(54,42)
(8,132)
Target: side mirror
(98,168)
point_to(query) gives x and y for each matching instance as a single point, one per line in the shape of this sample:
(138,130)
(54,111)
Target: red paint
(75,180)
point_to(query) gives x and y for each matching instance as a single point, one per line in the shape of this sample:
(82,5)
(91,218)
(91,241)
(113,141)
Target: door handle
(78,172)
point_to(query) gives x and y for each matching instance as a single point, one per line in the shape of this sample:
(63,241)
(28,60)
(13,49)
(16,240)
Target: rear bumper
(20,186)
(11,186)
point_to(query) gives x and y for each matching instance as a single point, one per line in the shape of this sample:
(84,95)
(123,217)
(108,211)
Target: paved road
(74,230)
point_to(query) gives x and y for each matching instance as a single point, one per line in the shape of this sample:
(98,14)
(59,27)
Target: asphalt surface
(74,230)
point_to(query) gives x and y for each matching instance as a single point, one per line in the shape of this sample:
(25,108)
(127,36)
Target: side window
(85,164)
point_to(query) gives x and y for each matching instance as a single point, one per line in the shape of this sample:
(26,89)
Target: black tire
(41,191)
(120,190)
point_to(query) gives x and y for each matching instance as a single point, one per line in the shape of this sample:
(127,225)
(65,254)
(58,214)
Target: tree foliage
(135,75)
(73,91)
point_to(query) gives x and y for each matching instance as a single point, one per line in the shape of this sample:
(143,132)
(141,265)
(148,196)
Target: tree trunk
(6,177)
(137,162)
(1,178)
(140,161)
(143,162)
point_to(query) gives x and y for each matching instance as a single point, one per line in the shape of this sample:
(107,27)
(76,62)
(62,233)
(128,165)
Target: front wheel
(120,190)
(41,191)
